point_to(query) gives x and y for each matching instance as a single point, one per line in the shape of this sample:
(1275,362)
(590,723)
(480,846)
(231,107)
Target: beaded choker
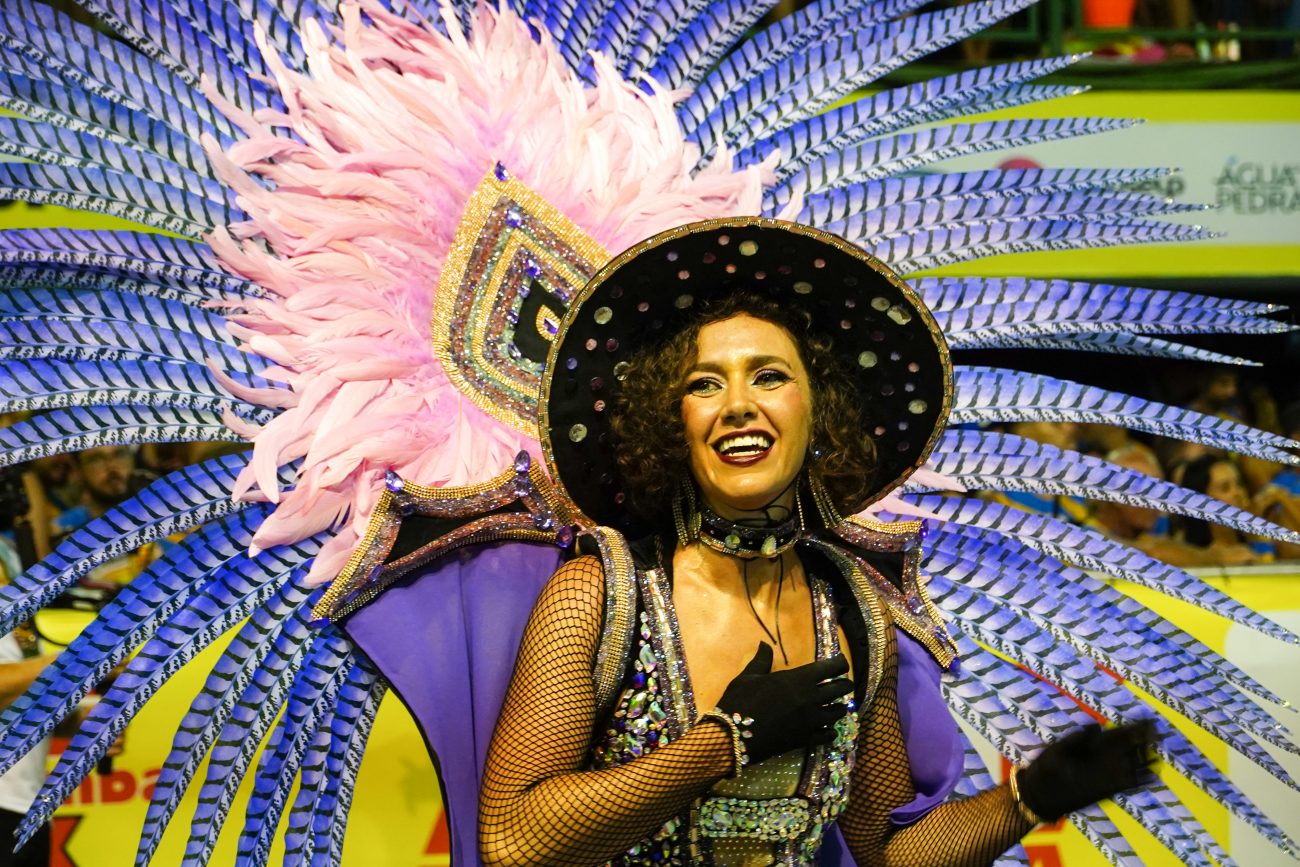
(746,542)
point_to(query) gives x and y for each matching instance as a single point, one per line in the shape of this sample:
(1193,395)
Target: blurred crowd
(1214,27)
(1260,487)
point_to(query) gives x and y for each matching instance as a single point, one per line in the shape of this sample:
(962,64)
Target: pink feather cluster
(351,220)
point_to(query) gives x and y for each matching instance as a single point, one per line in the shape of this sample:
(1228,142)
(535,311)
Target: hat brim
(880,331)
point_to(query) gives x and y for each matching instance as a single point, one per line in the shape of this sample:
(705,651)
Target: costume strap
(620,612)
(905,595)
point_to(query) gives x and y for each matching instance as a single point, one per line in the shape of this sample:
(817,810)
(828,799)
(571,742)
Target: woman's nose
(740,405)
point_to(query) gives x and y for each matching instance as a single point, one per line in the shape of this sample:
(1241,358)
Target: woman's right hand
(792,709)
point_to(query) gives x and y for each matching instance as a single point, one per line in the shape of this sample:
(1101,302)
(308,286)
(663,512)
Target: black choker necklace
(747,542)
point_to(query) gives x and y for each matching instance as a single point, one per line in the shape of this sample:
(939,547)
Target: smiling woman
(777,694)
(648,421)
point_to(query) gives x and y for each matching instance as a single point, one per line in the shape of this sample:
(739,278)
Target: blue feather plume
(241,696)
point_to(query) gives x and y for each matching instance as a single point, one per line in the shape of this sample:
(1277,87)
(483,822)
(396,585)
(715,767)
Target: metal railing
(1051,22)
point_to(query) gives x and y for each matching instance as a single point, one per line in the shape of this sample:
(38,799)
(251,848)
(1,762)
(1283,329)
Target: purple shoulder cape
(446,640)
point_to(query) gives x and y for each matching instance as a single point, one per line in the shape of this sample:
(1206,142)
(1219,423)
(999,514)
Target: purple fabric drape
(446,639)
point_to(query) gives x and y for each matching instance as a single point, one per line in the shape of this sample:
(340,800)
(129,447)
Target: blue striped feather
(975,776)
(118,307)
(315,824)
(583,19)
(789,34)
(975,102)
(807,82)
(557,16)
(50,145)
(694,51)
(972,210)
(296,13)
(614,31)
(103,66)
(349,733)
(1183,756)
(823,209)
(1030,318)
(56,276)
(104,191)
(923,249)
(183,262)
(179,501)
(1090,549)
(311,778)
(1159,811)
(1026,642)
(39,385)
(1115,631)
(662,23)
(1126,344)
(976,691)
(988,394)
(181,627)
(893,109)
(313,694)
(955,293)
(230,27)
(158,31)
(243,693)
(79,428)
(90,337)
(81,111)
(129,618)
(894,154)
(1006,462)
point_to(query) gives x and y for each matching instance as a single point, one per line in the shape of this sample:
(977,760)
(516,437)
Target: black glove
(790,709)
(1087,766)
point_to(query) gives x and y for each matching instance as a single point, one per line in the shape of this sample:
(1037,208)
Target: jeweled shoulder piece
(413,525)
(908,601)
(514,266)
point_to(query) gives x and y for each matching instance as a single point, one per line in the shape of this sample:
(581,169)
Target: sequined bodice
(775,812)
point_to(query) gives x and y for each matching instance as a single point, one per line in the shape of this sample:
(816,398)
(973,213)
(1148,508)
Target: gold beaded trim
(479,297)
(366,574)
(873,612)
(620,606)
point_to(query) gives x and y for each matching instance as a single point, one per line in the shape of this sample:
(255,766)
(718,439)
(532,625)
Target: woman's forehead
(745,337)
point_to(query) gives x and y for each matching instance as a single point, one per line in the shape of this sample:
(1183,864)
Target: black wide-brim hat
(880,332)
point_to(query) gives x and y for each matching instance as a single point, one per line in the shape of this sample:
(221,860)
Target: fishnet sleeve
(537,805)
(965,833)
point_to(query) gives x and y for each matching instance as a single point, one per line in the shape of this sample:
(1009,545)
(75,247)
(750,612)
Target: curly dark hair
(647,420)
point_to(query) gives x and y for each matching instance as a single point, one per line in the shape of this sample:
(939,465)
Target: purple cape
(446,640)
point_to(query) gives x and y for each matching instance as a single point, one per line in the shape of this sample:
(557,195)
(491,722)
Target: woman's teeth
(744,446)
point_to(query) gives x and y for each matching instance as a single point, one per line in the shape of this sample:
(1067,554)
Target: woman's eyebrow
(752,362)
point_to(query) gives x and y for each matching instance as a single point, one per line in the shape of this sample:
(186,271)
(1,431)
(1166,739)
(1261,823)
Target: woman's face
(1225,484)
(747,410)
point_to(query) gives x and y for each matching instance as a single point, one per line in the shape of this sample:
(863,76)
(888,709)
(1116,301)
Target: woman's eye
(702,386)
(770,378)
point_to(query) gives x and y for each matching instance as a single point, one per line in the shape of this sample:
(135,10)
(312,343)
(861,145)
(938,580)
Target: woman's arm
(963,833)
(537,806)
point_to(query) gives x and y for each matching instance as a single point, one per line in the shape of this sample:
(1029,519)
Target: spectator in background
(1218,477)
(1145,529)
(108,477)
(1279,499)
(20,664)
